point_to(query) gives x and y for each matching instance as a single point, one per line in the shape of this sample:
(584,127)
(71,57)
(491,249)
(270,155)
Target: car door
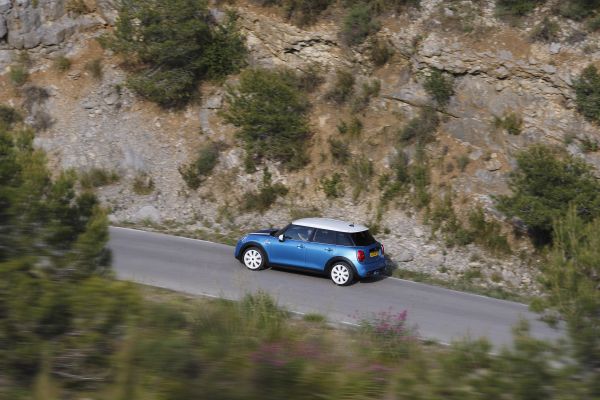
(320,250)
(292,250)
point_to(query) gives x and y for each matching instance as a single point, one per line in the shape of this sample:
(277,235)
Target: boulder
(5,5)
(147,213)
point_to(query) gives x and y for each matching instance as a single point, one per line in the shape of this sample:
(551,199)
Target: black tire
(254,258)
(341,273)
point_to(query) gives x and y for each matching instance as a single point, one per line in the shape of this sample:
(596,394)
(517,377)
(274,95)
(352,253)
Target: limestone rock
(147,213)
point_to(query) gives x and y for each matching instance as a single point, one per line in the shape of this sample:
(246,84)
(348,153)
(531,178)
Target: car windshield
(363,238)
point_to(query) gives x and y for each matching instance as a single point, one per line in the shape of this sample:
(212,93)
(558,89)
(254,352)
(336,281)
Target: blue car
(342,250)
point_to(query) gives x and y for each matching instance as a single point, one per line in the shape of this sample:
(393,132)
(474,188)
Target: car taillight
(382,249)
(360,255)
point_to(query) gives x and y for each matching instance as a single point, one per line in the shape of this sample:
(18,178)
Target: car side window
(301,233)
(324,236)
(343,239)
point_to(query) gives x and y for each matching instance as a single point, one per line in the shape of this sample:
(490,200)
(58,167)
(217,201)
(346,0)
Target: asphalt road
(205,268)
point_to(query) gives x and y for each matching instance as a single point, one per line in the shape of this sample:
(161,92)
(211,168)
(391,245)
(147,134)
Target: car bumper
(371,269)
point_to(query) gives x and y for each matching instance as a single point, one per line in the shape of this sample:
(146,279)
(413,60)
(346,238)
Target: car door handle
(328,249)
(300,246)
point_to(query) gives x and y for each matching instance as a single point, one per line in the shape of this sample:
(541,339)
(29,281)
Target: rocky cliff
(96,122)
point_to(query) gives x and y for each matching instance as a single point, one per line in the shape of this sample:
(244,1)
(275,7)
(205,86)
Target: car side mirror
(281,237)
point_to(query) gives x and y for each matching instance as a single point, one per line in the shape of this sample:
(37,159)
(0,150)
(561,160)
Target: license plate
(374,253)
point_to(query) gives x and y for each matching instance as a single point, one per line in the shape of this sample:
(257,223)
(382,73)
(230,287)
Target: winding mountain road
(204,268)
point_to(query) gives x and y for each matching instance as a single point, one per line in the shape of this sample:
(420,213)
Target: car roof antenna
(352,224)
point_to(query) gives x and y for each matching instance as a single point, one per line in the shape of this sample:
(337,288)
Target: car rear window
(363,238)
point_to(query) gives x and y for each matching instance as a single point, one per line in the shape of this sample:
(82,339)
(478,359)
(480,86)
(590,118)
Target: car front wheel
(341,274)
(254,258)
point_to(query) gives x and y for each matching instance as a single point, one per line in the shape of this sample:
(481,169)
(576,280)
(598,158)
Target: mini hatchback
(344,251)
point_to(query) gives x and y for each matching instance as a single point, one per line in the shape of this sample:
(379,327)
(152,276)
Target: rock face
(94,124)
(26,24)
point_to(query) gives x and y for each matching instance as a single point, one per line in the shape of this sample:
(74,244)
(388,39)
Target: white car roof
(330,224)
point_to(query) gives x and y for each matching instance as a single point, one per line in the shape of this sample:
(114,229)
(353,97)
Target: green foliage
(58,312)
(358,24)
(272,114)
(353,129)
(587,92)
(589,145)
(8,117)
(360,173)
(486,233)
(420,129)
(18,75)
(310,79)
(266,195)
(546,31)
(439,87)
(77,7)
(194,174)
(462,162)
(570,279)
(578,9)
(143,184)
(96,177)
(511,122)
(62,64)
(175,45)
(305,12)
(94,67)
(339,150)
(380,52)
(546,182)
(593,24)
(343,88)
(516,8)
(444,219)
(333,187)
(369,90)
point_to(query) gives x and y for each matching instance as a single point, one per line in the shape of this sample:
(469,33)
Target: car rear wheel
(254,258)
(341,274)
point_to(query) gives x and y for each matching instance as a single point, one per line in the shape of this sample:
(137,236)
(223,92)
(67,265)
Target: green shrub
(544,184)
(174,45)
(339,150)
(342,88)
(360,173)
(587,93)
(266,195)
(8,117)
(94,67)
(194,173)
(18,75)
(462,162)
(382,6)
(516,8)
(487,234)
(62,64)
(97,177)
(305,12)
(353,128)
(546,31)
(420,129)
(578,9)
(380,52)
(333,187)
(444,219)
(143,184)
(369,90)
(77,7)
(358,24)
(511,122)
(589,145)
(593,24)
(272,114)
(310,79)
(439,87)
